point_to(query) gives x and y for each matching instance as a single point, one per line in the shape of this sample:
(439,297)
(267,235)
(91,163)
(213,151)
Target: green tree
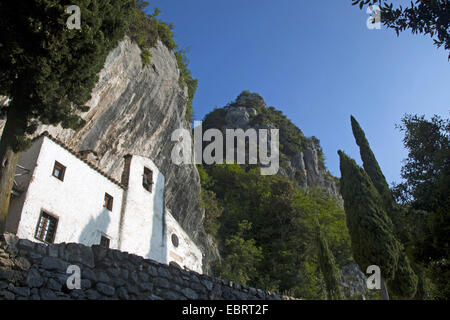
(430,17)
(213,211)
(371,230)
(48,71)
(372,167)
(328,267)
(404,284)
(282,219)
(426,175)
(281,214)
(242,256)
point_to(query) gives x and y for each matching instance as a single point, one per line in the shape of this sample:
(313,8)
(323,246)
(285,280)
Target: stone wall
(37,271)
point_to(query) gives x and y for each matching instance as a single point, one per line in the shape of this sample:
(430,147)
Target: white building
(60,196)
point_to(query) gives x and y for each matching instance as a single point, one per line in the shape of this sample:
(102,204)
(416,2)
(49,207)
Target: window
(104,242)
(108,204)
(46,228)
(59,170)
(147,180)
(175,240)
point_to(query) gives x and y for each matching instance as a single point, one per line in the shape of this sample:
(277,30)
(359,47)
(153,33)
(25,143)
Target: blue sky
(318,63)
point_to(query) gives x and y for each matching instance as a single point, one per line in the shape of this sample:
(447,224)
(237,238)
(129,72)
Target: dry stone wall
(36,271)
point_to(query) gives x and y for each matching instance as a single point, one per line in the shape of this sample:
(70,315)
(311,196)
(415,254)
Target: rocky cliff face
(305,167)
(134,110)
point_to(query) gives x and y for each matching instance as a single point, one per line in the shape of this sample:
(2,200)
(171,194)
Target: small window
(147,180)
(46,228)
(175,240)
(108,204)
(104,242)
(59,170)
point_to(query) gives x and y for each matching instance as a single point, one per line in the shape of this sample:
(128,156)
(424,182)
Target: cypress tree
(371,230)
(48,70)
(404,283)
(372,167)
(328,267)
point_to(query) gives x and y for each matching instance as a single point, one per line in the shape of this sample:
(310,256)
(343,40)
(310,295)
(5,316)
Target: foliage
(147,29)
(328,267)
(372,167)
(186,79)
(241,257)
(213,211)
(426,174)
(404,283)
(427,169)
(49,71)
(371,230)
(146,56)
(430,17)
(282,220)
(440,273)
(320,153)
(292,139)
(215,119)
(426,290)
(311,283)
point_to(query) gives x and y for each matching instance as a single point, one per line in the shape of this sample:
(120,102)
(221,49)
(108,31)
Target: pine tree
(371,230)
(48,70)
(328,267)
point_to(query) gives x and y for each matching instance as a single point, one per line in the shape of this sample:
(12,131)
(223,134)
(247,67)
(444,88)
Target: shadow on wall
(93,231)
(158,244)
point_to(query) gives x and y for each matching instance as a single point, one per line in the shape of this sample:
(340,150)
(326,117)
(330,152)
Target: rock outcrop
(134,110)
(353,282)
(305,168)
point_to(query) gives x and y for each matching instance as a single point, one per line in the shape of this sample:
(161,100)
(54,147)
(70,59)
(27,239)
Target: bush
(146,55)
(186,79)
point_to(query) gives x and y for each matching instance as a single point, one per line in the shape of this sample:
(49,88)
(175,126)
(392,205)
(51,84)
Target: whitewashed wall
(187,253)
(136,223)
(77,201)
(142,222)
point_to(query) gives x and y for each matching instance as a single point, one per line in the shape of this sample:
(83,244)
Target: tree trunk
(384,291)
(8,161)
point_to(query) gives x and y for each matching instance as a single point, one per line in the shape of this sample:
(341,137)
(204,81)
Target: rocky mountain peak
(301,158)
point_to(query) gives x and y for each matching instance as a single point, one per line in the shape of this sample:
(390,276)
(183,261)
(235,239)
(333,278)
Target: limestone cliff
(134,110)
